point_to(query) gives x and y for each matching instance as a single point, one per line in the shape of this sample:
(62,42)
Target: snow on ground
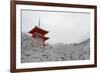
(57,52)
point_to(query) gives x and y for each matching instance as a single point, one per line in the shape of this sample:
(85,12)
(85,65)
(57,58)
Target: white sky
(63,27)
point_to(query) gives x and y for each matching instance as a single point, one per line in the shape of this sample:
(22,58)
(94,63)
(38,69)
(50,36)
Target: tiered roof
(37,31)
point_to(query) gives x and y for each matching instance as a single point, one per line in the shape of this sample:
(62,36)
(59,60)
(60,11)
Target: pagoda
(39,35)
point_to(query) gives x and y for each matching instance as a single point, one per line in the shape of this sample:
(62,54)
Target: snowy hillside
(57,52)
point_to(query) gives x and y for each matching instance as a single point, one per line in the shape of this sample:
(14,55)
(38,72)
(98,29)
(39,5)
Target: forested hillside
(57,52)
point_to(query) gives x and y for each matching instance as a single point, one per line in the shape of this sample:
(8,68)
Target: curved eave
(38,30)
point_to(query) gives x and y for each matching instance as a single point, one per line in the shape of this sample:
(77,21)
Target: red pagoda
(39,35)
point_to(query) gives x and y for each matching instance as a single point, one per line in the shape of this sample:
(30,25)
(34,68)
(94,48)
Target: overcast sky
(63,27)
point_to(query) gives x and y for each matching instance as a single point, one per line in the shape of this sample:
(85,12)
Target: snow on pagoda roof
(38,30)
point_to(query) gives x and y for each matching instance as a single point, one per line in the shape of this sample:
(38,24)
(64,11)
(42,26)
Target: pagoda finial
(39,22)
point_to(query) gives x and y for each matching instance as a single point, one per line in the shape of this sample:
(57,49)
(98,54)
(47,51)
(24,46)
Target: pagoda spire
(39,22)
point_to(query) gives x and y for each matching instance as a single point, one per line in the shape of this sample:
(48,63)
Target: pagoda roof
(44,37)
(38,30)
